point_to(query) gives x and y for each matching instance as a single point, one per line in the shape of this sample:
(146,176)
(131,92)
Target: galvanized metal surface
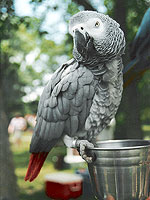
(121,169)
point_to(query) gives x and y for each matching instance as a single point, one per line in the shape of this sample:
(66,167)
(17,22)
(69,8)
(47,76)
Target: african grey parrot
(83,95)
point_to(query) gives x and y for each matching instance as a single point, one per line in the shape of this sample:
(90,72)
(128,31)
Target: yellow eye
(97,24)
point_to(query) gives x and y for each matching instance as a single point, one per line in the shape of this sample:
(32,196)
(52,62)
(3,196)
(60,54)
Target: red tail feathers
(35,164)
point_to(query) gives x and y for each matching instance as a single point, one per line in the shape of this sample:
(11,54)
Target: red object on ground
(63,186)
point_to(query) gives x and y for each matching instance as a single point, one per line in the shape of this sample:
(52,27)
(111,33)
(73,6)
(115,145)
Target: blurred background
(34,43)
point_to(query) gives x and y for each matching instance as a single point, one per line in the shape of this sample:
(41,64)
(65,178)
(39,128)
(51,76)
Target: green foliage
(23,40)
(144,90)
(27,55)
(8,76)
(135,11)
(110,7)
(35,190)
(71,9)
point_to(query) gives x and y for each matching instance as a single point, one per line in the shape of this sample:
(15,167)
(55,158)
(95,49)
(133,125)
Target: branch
(85,4)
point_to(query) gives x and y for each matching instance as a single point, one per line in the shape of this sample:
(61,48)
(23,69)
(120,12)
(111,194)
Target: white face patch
(94,27)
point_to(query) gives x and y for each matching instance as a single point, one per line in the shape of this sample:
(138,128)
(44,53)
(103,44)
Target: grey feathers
(65,103)
(107,41)
(83,95)
(107,98)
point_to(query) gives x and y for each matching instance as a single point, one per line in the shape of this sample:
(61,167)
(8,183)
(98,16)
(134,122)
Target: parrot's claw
(82,145)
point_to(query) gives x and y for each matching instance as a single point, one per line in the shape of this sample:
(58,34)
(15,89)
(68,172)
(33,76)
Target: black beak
(81,41)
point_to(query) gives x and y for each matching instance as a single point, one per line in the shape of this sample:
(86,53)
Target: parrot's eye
(97,24)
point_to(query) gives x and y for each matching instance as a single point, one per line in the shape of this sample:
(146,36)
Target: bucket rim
(146,144)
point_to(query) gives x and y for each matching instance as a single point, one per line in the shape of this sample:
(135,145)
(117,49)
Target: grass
(34,190)
(27,190)
(146,130)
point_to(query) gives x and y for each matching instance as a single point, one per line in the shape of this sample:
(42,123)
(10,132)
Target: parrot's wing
(64,106)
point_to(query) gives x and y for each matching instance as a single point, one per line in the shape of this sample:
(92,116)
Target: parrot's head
(95,35)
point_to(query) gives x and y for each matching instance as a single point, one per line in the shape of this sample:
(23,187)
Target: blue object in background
(140,52)
(142,39)
(87,187)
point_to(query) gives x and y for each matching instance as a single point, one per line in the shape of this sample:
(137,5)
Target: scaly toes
(87,158)
(83,144)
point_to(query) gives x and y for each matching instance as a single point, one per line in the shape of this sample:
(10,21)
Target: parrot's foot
(82,145)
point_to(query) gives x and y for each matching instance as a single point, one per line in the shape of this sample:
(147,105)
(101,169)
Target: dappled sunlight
(35,189)
(35,42)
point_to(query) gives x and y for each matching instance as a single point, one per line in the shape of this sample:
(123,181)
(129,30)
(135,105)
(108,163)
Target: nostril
(82,28)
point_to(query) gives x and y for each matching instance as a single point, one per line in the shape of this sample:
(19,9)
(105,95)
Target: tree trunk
(129,107)
(120,13)
(8,186)
(131,126)
(86,4)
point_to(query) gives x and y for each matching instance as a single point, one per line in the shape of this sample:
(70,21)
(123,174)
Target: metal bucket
(121,170)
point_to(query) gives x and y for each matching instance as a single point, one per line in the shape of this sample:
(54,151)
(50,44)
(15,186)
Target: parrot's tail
(35,164)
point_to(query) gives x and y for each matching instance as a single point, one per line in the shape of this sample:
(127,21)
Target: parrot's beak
(81,41)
